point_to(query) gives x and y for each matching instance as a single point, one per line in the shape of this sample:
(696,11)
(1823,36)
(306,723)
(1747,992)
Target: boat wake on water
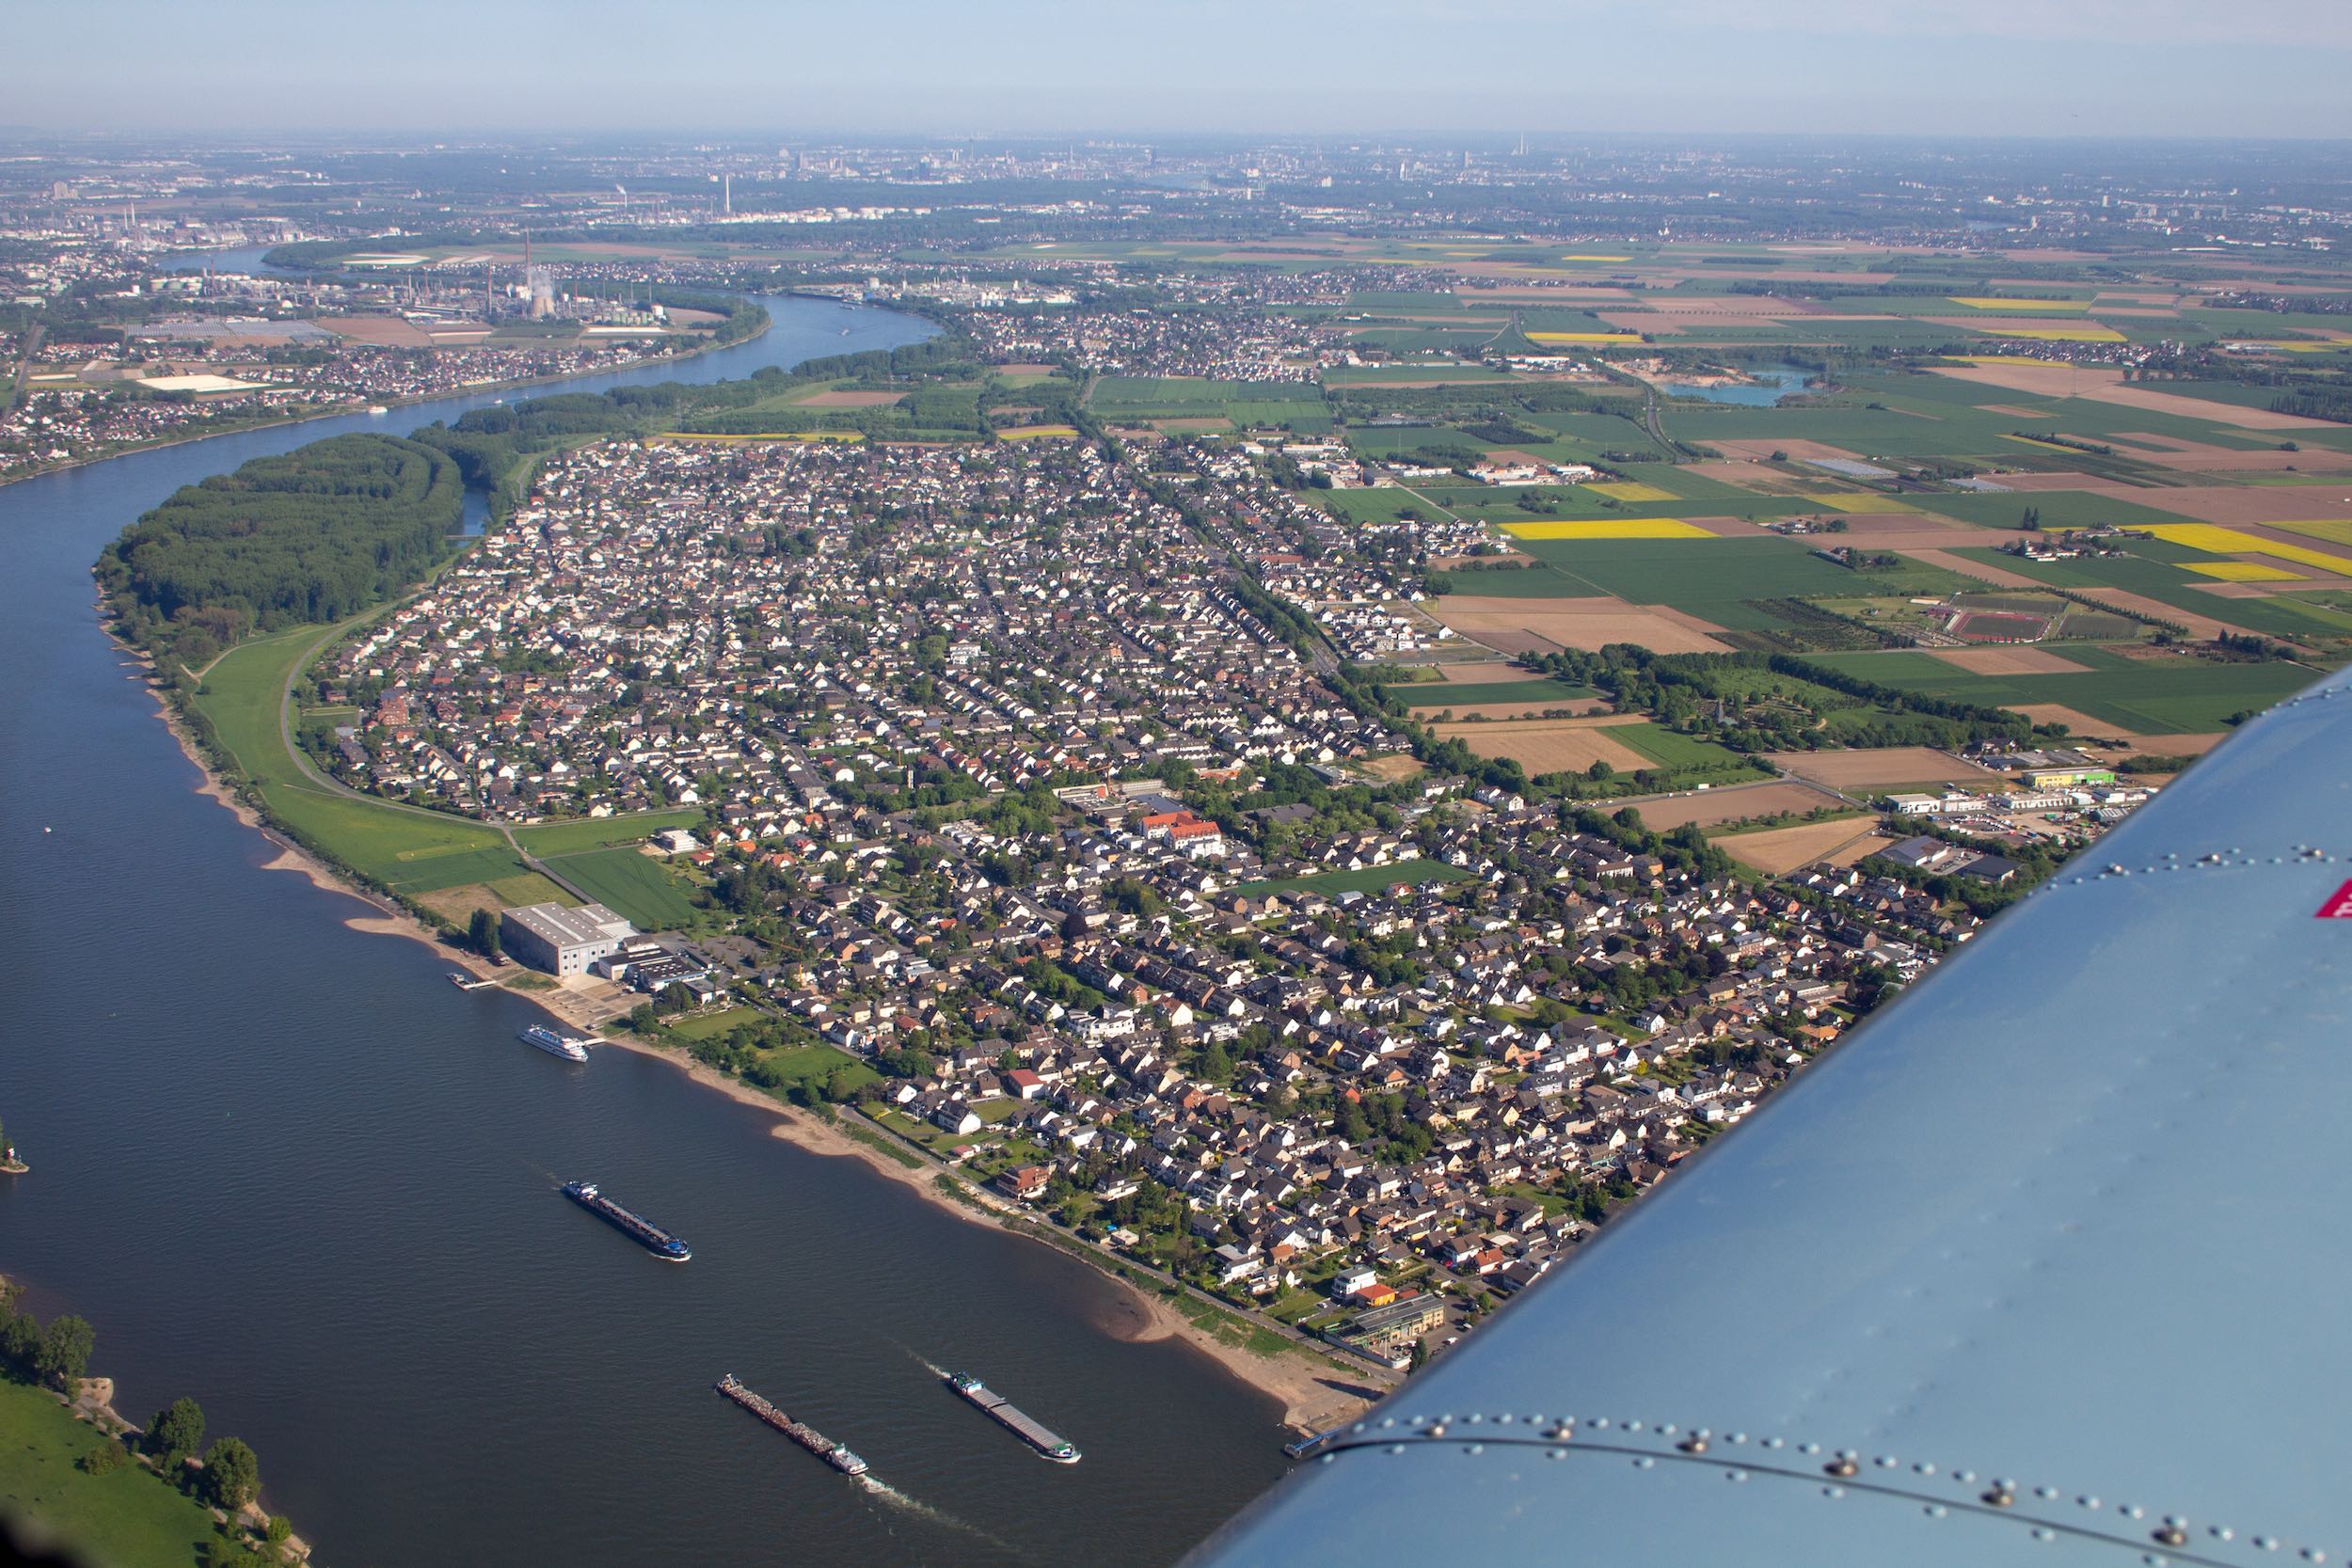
(925,1362)
(877,1487)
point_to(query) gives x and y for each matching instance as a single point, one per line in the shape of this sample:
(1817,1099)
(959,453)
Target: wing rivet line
(2001,1493)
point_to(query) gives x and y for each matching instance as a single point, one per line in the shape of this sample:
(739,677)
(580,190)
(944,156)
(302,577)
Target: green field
(550,839)
(636,885)
(1437,695)
(127,1519)
(1716,580)
(1669,749)
(1371,879)
(407,849)
(2279,615)
(2174,696)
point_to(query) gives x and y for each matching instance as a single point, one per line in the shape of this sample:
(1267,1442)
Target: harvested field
(1883,767)
(1392,770)
(2200,457)
(849,399)
(1547,745)
(388,331)
(2139,604)
(1747,473)
(1708,808)
(2007,662)
(1777,851)
(2261,504)
(2103,385)
(2083,725)
(1798,450)
(1546,625)
(1177,426)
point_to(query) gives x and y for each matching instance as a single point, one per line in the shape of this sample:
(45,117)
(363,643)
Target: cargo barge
(836,1454)
(636,1228)
(1008,1414)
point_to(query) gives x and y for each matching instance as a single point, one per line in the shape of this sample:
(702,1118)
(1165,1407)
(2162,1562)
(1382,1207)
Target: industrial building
(563,941)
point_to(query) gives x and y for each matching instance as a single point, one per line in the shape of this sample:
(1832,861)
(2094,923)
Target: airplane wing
(2049,1263)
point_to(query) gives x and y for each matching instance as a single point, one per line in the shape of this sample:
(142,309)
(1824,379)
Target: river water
(285,1167)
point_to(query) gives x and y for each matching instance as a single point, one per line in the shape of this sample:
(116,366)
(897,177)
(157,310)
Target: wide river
(286,1167)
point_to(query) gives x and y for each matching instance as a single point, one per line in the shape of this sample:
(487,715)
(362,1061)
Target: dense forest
(314,535)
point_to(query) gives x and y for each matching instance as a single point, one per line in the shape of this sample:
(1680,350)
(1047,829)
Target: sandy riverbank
(1315,1392)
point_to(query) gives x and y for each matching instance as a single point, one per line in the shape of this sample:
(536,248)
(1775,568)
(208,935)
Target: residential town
(1004,788)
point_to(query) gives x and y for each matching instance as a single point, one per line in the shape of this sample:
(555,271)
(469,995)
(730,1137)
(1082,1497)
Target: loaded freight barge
(836,1454)
(1007,1414)
(635,1227)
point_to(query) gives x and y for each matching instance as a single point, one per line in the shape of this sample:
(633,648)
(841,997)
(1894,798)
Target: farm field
(1540,625)
(1669,749)
(1778,850)
(1720,582)
(1882,767)
(2146,696)
(1369,879)
(1708,808)
(636,885)
(1548,745)
(1472,694)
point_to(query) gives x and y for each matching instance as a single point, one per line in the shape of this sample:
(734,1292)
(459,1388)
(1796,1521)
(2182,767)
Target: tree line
(57,1356)
(309,536)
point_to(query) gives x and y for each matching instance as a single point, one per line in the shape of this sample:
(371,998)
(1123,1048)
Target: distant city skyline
(2131,68)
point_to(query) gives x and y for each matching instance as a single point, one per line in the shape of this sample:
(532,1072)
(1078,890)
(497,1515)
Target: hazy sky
(2261,68)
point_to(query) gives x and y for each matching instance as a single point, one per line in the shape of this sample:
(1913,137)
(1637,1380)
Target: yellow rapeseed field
(1608,528)
(1034,431)
(1584,337)
(1629,491)
(2215,540)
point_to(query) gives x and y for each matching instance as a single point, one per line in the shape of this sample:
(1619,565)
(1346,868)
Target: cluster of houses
(1229,1042)
(1498,1006)
(774,629)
